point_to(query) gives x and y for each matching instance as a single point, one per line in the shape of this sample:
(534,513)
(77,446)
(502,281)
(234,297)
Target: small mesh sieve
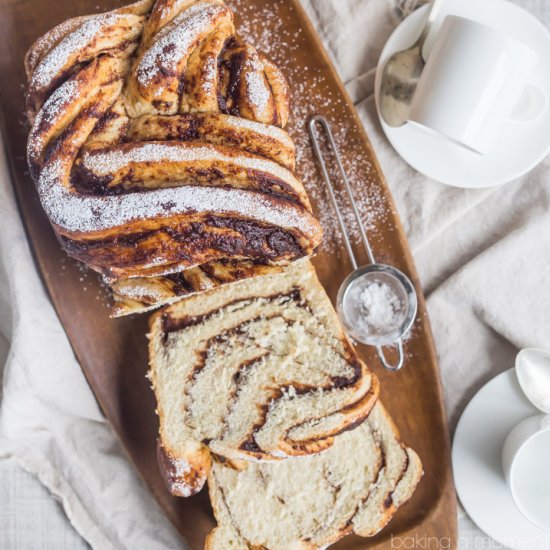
(395,284)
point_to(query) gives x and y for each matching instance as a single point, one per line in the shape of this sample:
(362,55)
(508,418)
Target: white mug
(473,80)
(526,464)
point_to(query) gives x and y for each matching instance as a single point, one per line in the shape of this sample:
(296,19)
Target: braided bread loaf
(157,147)
(258,370)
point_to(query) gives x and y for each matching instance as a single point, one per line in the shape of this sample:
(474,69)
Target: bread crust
(186,474)
(157,145)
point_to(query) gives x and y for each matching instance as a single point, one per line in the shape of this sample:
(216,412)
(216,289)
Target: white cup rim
(544,431)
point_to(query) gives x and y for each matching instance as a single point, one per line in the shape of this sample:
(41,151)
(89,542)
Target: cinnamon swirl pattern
(157,146)
(257,371)
(356,486)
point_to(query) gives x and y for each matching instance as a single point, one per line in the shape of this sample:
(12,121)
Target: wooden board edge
(447,503)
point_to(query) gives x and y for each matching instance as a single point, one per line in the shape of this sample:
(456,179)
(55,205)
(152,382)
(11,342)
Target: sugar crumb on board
(279,40)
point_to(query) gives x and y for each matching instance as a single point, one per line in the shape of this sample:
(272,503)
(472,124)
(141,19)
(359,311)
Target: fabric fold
(49,419)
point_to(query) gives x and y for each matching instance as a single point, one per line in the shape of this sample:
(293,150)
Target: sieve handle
(314,124)
(398,344)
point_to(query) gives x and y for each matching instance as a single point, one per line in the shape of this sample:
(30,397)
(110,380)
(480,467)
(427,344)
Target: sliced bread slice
(258,370)
(355,486)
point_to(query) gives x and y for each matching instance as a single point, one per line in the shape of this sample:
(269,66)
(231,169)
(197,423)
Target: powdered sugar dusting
(381,307)
(209,74)
(279,40)
(176,41)
(311,94)
(141,293)
(171,8)
(60,98)
(112,160)
(46,42)
(60,57)
(268,130)
(182,469)
(83,213)
(258,92)
(49,114)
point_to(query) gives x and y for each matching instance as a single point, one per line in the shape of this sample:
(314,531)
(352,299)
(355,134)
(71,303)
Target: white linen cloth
(484,262)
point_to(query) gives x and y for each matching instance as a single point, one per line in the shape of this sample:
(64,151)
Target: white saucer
(478,474)
(520,146)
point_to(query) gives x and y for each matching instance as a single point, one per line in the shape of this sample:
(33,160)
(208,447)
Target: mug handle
(530,106)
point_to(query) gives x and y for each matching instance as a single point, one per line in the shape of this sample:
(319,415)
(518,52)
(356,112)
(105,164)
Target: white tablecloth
(483,258)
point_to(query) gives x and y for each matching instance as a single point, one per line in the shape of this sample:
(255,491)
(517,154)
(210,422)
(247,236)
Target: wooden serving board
(113,353)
